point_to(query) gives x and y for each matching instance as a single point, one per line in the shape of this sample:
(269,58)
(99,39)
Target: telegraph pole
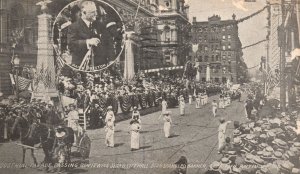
(282,43)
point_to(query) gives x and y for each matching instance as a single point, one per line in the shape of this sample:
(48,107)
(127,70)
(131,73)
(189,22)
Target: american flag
(23,83)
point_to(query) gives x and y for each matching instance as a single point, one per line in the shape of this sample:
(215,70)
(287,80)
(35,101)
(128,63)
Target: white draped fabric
(208,74)
(129,60)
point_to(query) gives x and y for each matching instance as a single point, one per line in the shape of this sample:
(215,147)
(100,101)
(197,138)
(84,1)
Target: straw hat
(215,166)
(60,134)
(249,158)
(109,107)
(225,168)
(225,161)
(277,155)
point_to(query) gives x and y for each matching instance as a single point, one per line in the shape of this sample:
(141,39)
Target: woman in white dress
(135,135)
(167,123)
(182,105)
(72,119)
(110,127)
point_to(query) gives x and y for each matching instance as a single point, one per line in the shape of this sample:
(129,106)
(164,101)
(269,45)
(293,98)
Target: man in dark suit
(82,36)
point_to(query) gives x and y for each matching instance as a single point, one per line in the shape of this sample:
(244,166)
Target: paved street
(194,136)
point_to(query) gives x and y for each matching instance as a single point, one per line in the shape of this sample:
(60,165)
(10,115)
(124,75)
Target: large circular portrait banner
(88,35)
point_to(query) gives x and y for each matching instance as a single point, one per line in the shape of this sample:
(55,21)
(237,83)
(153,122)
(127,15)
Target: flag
(23,83)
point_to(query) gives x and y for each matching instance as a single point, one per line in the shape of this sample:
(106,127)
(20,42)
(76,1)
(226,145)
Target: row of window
(215,69)
(214,29)
(213,47)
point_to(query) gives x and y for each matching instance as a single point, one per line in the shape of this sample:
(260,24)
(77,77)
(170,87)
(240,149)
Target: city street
(194,136)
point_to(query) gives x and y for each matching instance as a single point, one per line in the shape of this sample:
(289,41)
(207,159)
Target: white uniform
(214,108)
(110,129)
(167,125)
(135,136)
(198,102)
(182,107)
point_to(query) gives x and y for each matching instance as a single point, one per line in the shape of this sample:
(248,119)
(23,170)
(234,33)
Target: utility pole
(282,43)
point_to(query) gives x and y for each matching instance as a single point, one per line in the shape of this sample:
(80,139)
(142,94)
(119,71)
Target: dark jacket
(78,33)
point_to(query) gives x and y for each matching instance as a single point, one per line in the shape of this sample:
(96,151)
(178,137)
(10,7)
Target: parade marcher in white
(110,127)
(167,123)
(190,99)
(222,132)
(205,98)
(72,119)
(182,105)
(135,135)
(202,98)
(136,115)
(164,105)
(214,108)
(198,102)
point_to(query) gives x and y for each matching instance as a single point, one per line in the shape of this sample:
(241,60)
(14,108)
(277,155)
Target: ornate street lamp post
(16,64)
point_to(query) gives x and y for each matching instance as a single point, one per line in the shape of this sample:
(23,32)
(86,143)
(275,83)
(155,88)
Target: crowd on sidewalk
(265,144)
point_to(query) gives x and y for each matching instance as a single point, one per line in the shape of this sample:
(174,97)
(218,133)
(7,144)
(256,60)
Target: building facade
(158,25)
(217,50)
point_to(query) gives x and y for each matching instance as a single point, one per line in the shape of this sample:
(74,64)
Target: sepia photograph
(150,86)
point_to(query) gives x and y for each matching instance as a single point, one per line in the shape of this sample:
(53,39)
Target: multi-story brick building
(218,48)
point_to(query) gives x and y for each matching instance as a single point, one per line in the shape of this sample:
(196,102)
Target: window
(167,32)
(206,59)
(167,56)
(217,58)
(205,48)
(224,57)
(212,58)
(229,37)
(224,47)
(224,37)
(229,46)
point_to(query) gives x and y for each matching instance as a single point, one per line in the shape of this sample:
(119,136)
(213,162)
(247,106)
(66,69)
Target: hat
(253,142)
(297,145)
(237,132)
(257,160)
(277,155)
(60,134)
(289,154)
(266,155)
(263,145)
(286,166)
(249,158)
(271,134)
(237,141)
(110,107)
(249,137)
(225,161)
(225,168)
(269,149)
(215,166)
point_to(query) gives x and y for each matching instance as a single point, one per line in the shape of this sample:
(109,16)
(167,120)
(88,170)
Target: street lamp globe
(16,61)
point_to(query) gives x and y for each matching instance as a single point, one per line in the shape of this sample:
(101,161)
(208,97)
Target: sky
(250,31)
